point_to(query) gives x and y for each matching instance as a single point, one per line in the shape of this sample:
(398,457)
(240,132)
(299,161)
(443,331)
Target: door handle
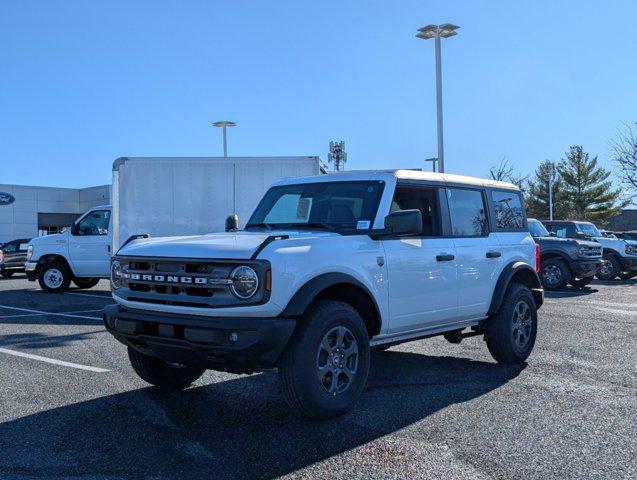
(445,258)
(494,254)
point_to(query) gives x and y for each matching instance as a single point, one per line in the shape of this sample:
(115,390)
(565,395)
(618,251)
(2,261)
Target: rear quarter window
(508,211)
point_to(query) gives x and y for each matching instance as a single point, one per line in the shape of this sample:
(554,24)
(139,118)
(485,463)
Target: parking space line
(89,295)
(40,312)
(52,360)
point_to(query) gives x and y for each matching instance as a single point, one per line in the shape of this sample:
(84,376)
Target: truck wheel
(510,333)
(162,374)
(85,282)
(581,282)
(609,269)
(554,274)
(324,367)
(626,275)
(7,273)
(54,277)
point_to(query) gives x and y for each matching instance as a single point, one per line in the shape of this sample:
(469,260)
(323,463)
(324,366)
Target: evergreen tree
(537,193)
(586,188)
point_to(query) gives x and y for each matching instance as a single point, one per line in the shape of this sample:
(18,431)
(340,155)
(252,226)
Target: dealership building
(27,212)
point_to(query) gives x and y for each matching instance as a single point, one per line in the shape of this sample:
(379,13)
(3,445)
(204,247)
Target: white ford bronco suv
(326,269)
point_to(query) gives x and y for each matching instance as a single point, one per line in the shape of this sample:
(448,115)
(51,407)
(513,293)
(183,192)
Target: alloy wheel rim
(521,324)
(552,274)
(53,278)
(337,360)
(606,268)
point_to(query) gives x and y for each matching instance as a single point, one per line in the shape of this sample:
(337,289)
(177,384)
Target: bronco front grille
(591,252)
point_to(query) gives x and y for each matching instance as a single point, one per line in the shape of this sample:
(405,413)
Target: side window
(425,199)
(468,217)
(95,223)
(509,214)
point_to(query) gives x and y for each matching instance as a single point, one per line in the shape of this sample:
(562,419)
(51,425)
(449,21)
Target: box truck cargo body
(177,196)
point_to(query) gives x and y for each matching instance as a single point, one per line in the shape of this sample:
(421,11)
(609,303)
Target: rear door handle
(494,254)
(445,258)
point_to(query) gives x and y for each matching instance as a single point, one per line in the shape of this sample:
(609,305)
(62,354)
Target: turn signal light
(268,280)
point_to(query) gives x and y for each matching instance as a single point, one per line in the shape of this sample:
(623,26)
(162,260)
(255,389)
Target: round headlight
(116,274)
(245,282)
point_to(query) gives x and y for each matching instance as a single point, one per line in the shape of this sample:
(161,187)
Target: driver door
(90,244)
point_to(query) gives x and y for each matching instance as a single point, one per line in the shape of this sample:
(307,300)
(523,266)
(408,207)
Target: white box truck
(161,197)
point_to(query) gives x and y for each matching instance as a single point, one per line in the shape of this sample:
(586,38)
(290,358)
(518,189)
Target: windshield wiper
(315,225)
(267,226)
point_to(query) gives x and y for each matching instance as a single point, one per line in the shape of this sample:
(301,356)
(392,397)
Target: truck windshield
(537,229)
(589,229)
(323,205)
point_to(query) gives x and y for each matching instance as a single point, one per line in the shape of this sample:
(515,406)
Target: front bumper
(238,345)
(30,269)
(628,264)
(585,268)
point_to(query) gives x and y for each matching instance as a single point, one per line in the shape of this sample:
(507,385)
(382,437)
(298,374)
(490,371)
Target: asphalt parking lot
(71,407)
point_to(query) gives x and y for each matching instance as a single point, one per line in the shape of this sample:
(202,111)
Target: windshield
(589,229)
(326,205)
(537,229)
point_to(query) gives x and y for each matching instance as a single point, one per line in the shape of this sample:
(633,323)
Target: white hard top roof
(402,175)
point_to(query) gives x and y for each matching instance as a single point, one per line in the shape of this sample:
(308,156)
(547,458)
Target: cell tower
(337,155)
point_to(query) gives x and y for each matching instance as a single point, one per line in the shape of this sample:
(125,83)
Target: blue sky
(82,83)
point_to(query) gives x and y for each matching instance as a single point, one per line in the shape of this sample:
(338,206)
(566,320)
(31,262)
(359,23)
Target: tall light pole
(225,124)
(433,161)
(437,32)
(551,180)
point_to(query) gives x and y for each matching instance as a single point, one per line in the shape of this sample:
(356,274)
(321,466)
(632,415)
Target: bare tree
(505,172)
(624,149)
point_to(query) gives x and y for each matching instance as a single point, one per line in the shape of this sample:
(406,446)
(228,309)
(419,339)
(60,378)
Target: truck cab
(619,256)
(327,268)
(80,254)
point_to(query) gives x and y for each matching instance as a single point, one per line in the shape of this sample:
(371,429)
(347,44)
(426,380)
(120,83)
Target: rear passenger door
(421,269)
(478,252)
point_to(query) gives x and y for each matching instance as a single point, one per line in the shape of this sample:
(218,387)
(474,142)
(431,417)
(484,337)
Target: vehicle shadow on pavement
(238,428)
(41,340)
(570,292)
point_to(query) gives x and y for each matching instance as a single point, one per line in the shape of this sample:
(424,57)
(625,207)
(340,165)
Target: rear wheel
(510,333)
(164,375)
(54,277)
(324,367)
(7,273)
(609,269)
(554,274)
(581,282)
(627,275)
(85,282)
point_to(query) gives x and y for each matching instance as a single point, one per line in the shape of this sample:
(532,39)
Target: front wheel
(54,277)
(581,282)
(609,269)
(554,274)
(7,273)
(85,282)
(324,367)
(511,332)
(164,375)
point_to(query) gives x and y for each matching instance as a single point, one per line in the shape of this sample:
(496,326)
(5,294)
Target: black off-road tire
(581,282)
(7,273)
(561,274)
(500,333)
(47,269)
(301,380)
(613,271)
(82,282)
(162,374)
(627,275)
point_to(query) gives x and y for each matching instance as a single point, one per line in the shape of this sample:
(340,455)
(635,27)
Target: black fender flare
(610,251)
(306,294)
(507,274)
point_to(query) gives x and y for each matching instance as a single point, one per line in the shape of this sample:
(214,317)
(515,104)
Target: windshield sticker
(362,225)
(303,209)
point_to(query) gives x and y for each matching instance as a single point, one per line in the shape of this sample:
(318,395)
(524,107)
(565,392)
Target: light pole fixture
(225,124)
(433,161)
(437,32)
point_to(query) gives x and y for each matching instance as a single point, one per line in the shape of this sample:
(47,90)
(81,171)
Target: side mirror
(232,223)
(404,222)
(553,234)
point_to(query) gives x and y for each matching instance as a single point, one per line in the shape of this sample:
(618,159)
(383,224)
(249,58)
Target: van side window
(509,214)
(425,199)
(95,223)
(467,210)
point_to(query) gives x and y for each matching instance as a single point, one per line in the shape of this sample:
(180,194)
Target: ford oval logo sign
(6,198)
